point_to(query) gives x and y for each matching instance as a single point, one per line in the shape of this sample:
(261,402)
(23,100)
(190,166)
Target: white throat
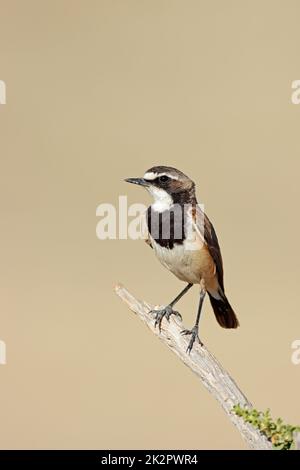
(162,200)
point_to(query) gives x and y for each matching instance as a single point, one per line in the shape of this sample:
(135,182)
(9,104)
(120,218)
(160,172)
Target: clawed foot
(194,334)
(164,312)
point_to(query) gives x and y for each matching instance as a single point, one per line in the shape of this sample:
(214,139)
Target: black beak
(139,181)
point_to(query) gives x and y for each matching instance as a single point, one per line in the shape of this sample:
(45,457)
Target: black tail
(223,311)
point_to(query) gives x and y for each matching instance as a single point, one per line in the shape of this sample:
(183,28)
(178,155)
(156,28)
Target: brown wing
(211,240)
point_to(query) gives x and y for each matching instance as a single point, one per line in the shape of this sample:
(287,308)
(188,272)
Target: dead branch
(213,376)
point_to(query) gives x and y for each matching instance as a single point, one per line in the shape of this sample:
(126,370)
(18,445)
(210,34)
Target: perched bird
(185,242)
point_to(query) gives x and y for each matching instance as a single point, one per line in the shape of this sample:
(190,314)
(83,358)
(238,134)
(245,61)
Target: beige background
(101,90)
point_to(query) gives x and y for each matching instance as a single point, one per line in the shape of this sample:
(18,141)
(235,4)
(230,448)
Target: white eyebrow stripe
(151,176)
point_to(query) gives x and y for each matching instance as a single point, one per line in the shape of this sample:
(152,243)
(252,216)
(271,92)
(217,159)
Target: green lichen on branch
(279,433)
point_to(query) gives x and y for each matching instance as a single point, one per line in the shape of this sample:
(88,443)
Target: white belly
(190,261)
(183,263)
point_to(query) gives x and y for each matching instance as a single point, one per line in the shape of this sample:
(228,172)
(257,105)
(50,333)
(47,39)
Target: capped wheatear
(185,242)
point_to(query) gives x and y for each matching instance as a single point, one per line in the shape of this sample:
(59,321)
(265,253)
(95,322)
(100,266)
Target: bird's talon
(194,335)
(179,316)
(164,312)
(185,332)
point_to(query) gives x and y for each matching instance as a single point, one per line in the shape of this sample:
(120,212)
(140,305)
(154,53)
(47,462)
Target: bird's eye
(163,178)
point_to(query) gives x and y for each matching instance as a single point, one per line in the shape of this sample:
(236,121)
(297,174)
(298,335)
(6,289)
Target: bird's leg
(194,331)
(168,310)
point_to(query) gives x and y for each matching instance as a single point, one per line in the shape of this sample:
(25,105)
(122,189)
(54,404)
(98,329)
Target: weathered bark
(213,376)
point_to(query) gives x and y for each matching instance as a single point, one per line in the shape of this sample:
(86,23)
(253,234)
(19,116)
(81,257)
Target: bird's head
(167,186)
